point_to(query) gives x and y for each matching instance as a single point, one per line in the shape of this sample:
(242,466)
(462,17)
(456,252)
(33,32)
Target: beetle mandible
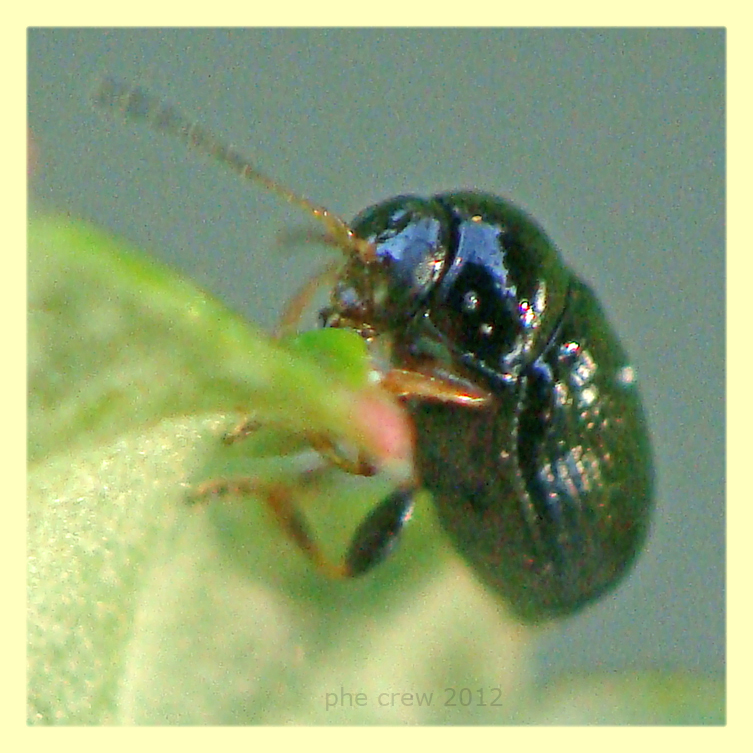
(530,433)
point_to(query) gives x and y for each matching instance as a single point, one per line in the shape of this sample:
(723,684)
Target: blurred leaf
(680,698)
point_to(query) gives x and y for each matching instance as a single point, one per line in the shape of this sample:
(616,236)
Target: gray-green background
(613,139)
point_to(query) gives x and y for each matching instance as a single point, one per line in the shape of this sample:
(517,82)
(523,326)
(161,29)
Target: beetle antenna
(136,103)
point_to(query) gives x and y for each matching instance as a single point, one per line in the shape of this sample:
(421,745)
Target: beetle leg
(438,386)
(378,532)
(357,466)
(278,498)
(421,382)
(374,538)
(296,306)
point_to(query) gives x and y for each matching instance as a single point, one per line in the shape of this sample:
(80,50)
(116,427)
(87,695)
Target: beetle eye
(410,240)
(412,257)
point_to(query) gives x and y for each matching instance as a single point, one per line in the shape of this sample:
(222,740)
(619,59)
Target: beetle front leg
(435,385)
(328,449)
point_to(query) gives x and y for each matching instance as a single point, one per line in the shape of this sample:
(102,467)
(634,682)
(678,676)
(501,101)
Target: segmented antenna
(136,103)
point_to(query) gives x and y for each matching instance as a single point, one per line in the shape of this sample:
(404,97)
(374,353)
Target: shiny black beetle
(545,487)
(530,431)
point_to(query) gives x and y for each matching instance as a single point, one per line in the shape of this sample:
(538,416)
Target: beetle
(530,433)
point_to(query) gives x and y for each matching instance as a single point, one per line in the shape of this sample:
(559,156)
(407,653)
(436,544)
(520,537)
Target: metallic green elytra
(530,433)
